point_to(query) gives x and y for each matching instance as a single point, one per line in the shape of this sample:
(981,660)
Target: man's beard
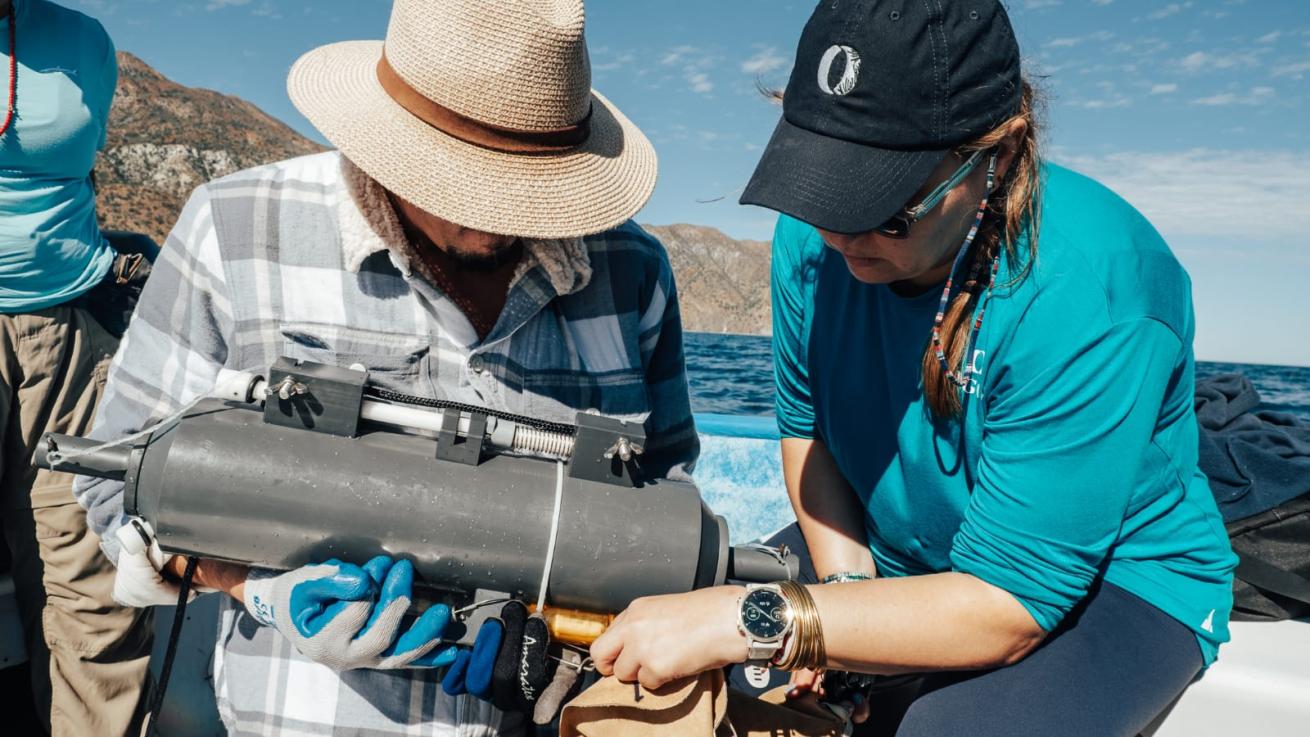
(484,261)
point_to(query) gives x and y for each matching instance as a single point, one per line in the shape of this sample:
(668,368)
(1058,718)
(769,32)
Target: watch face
(764,614)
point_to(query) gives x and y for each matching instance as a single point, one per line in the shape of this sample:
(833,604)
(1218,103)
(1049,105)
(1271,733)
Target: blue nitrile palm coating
(483,663)
(429,626)
(314,603)
(453,683)
(393,579)
(438,657)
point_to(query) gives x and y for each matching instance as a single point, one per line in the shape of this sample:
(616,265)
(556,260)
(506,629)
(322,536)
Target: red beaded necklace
(13,70)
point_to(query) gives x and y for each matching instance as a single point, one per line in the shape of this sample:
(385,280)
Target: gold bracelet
(808,650)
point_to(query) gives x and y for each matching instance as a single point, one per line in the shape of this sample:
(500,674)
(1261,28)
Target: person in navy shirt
(984,374)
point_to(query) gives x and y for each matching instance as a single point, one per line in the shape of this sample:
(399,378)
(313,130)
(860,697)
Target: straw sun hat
(482,114)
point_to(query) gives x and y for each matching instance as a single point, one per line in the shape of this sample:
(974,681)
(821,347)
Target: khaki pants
(89,657)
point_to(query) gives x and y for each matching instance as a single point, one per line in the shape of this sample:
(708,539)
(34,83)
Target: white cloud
(1039,4)
(694,62)
(1169,10)
(1163,89)
(677,54)
(1205,192)
(1292,70)
(1257,96)
(1269,38)
(1102,2)
(1110,97)
(267,10)
(1070,41)
(220,4)
(1200,61)
(766,60)
(1104,103)
(699,81)
(611,64)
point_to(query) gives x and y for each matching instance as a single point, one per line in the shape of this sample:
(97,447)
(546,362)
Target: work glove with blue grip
(347,616)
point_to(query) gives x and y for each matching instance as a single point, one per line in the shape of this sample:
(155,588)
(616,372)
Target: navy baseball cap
(881,91)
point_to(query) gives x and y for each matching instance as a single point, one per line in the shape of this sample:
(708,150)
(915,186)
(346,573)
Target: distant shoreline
(1199,360)
(728,333)
(1249,363)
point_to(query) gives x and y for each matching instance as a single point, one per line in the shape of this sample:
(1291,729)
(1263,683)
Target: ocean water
(733,374)
(741,477)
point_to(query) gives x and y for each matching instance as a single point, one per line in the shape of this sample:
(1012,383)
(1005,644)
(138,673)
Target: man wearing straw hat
(471,241)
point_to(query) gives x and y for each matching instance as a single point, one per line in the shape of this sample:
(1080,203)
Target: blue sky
(1195,111)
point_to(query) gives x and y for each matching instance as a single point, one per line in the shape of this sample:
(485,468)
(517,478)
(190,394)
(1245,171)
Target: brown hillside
(165,139)
(723,283)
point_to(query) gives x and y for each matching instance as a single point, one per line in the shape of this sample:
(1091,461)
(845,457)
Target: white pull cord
(57,457)
(231,384)
(554,532)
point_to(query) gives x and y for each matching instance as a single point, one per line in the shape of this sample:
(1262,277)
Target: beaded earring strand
(13,70)
(955,377)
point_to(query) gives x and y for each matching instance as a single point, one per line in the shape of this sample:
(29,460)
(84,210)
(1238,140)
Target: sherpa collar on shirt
(368,224)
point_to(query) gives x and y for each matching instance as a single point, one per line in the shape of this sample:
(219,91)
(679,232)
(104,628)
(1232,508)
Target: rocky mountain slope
(723,283)
(165,139)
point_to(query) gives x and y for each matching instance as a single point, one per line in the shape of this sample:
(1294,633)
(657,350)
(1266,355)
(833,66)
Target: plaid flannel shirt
(290,259)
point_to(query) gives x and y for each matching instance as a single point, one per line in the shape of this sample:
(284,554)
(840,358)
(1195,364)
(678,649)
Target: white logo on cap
(849,75)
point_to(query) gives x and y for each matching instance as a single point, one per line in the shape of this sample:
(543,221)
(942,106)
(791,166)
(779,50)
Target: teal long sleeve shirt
(1076,456)
(51,248)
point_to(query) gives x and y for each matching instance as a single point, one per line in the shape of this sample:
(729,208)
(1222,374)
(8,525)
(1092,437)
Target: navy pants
(1111,667)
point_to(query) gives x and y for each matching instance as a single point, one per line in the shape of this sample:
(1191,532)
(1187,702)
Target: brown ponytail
(1012,212)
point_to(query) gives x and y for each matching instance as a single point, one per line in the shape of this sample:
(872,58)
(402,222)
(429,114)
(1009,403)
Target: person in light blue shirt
(51,249)
(60,285)
(984,375)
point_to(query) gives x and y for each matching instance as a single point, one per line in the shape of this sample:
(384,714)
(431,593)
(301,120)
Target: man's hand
(212,575)
(807,690)
(141,579)
(347,616)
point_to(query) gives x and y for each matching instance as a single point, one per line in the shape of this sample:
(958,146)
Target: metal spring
(532,440)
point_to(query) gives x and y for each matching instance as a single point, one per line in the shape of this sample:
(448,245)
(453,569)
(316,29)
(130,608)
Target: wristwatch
(764,616)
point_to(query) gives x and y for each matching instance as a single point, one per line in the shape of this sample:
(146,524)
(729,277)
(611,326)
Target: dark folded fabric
(1255,459)
(112,301)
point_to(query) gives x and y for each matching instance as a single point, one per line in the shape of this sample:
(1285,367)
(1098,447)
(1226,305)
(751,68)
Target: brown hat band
(476,132)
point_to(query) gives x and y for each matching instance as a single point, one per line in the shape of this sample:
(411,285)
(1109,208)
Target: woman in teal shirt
(984,371)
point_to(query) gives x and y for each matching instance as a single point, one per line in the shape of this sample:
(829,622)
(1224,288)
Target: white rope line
(554,532)
(57,457)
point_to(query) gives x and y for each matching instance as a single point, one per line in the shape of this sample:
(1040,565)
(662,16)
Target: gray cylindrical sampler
(222,483)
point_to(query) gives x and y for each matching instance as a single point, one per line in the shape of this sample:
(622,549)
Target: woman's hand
(659,639)
(806,687)
(805,682)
